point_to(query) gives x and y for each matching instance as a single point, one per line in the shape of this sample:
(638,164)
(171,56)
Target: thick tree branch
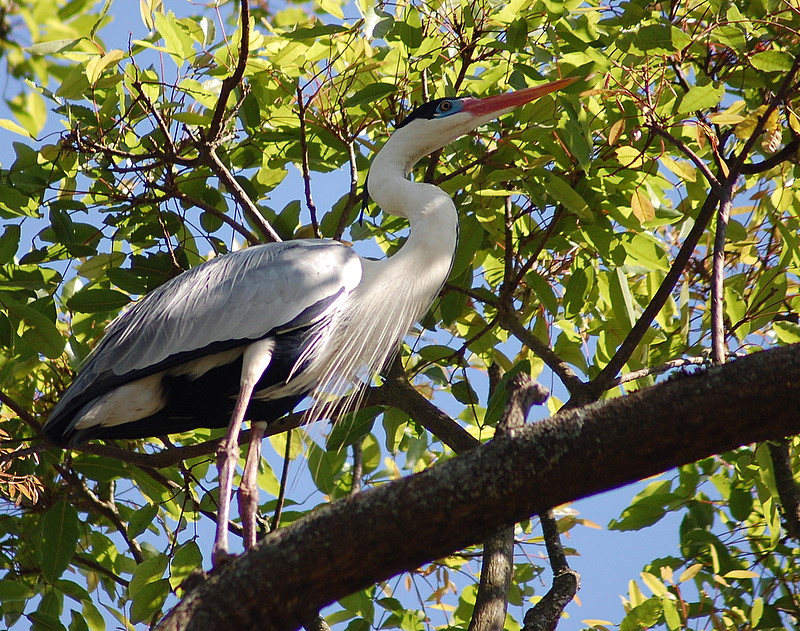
(297,570)
(788,490)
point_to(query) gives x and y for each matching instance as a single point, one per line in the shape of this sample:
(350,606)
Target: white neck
(427,255)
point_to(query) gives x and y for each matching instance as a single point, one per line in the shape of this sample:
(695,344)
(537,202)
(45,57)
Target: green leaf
(9,243)
(563,193)
(52,47)
(187,559)
(325,467)
(60,531)
(12,126)
(12,591)
(701,98)
(146,573)
(97,300)
(40,331)
(148,600)
(371,93)
(316,31)
(772,61)
(351,428)
(787,332)
(141,519)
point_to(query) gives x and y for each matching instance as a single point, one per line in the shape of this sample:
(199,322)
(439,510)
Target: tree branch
(296,570)
(497,571)
(788,491)
(545,614)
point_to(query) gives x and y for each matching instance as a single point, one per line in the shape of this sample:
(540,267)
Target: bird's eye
(445,106)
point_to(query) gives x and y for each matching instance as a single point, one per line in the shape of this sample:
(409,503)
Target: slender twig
(718,353)
(399,393)
(358,467)
(174,191)
(250,209)
(353,196)
(577,388)
(108,510)
(691,155)
(281,499)
(100,569)
(302,107)
(545,615)
(233,80)
(23,414)
(774,160)
(657,370)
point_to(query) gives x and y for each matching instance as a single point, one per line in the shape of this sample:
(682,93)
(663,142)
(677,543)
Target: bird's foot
(220,557)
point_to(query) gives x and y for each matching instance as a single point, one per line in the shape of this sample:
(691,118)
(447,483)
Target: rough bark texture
(369,537)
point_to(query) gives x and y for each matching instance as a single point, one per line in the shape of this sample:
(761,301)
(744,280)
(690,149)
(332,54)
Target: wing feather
(234,298)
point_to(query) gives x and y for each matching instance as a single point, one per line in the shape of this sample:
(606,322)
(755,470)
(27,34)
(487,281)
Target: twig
(774,160)
(399,393)
(280,500)
(358,467)
(227,179)
(657,370)
(578,390)
(100,569)
(687,151)
(545,614)
(718,353)
(25,416)
(234,79)
(174,191)
(312,208)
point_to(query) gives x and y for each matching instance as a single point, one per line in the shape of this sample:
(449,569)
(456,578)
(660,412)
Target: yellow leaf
(332,7)
(690,572)
(741,574)
(656,586)
(629,157)
(95,66)
(616,131)
(682,169)
(723,118)
(642,207)
(12,126)
(596,623)
(794,122)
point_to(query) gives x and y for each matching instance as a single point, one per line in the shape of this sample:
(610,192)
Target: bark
(297,570)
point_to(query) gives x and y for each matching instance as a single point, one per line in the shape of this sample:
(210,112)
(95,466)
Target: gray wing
(238,297)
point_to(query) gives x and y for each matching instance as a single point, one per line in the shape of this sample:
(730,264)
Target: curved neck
(430,211)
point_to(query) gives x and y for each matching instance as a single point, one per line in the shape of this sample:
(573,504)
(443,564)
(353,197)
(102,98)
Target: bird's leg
(227,455)
(248,489)
(255,360)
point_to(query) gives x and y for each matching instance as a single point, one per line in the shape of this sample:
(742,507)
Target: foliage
(647,221)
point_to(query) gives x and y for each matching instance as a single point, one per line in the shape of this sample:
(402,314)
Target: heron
(250,334)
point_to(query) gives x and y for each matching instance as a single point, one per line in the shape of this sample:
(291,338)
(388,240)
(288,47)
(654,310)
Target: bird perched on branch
(250,334)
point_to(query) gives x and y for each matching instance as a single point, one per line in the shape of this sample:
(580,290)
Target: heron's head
(436,124)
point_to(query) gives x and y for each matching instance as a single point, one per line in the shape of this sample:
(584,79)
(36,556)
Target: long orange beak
(510,100)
